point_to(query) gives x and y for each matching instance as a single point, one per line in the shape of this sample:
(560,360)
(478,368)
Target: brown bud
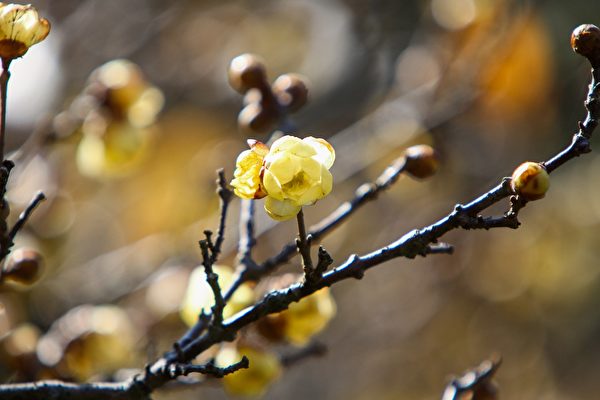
(421,161)
(530,180)
(291,91)
(246,72)
(23,266)
(255,118)
(585,40)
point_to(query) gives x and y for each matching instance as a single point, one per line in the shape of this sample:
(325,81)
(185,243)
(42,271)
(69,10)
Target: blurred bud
(291,91)
(23,266)
(421,161)
(247,71)
(257,118)
(199,296)
(264,369)
(111,149)
(253,96)
(585,40)
(89,340)
(17,351)
(530,180)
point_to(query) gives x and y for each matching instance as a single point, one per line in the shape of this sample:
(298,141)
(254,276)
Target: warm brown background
(488,83)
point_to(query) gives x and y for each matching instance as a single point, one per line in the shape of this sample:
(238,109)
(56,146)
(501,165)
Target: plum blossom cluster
(293,173)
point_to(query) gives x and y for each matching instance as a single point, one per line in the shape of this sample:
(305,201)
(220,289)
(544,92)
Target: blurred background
(488,83)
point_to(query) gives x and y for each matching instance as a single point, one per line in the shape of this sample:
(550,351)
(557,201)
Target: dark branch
(414,243)
(225,194)
(45,390)
(208,369)
(213,281)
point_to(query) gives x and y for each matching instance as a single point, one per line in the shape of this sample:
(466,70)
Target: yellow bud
(23,266)
(530,180)
(20,28)
(421,161)
(264,368)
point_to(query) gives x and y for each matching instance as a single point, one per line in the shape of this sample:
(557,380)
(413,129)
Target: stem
(4,77)
(303,244)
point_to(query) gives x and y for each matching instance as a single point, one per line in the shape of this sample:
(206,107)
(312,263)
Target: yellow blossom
(20,28)
(247,182)
(302,320)
(199,295)
(264,368)
(293,173)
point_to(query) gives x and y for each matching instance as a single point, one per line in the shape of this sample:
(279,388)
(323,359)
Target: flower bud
(421,161)
(20,28)
(23,266)
(246,72)
(530,180)
(291,91)
(256,118)
(585,40)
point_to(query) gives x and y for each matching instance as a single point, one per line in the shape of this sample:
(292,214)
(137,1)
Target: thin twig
(477,379)
(303,243)
(225,194)
(24,216)
(213,281)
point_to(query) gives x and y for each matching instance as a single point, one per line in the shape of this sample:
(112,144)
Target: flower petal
(272,185)
(281,210)
(325,152)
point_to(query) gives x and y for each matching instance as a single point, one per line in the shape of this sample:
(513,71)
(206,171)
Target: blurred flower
(117,111)
(89,340)
(264,368)
(293,173)
(302,320)
(199,295)
(20,28)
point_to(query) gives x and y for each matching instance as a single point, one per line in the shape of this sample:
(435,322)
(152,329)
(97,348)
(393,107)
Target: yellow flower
(199,295)
(292,174)
(302,320)
(264,368)
(20,28)
(247,182)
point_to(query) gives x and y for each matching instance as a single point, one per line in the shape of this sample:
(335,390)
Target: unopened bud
(23,266)
(585,40)
(530,180)
(247,71)
(256,118)
(422,161)
(291,91)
